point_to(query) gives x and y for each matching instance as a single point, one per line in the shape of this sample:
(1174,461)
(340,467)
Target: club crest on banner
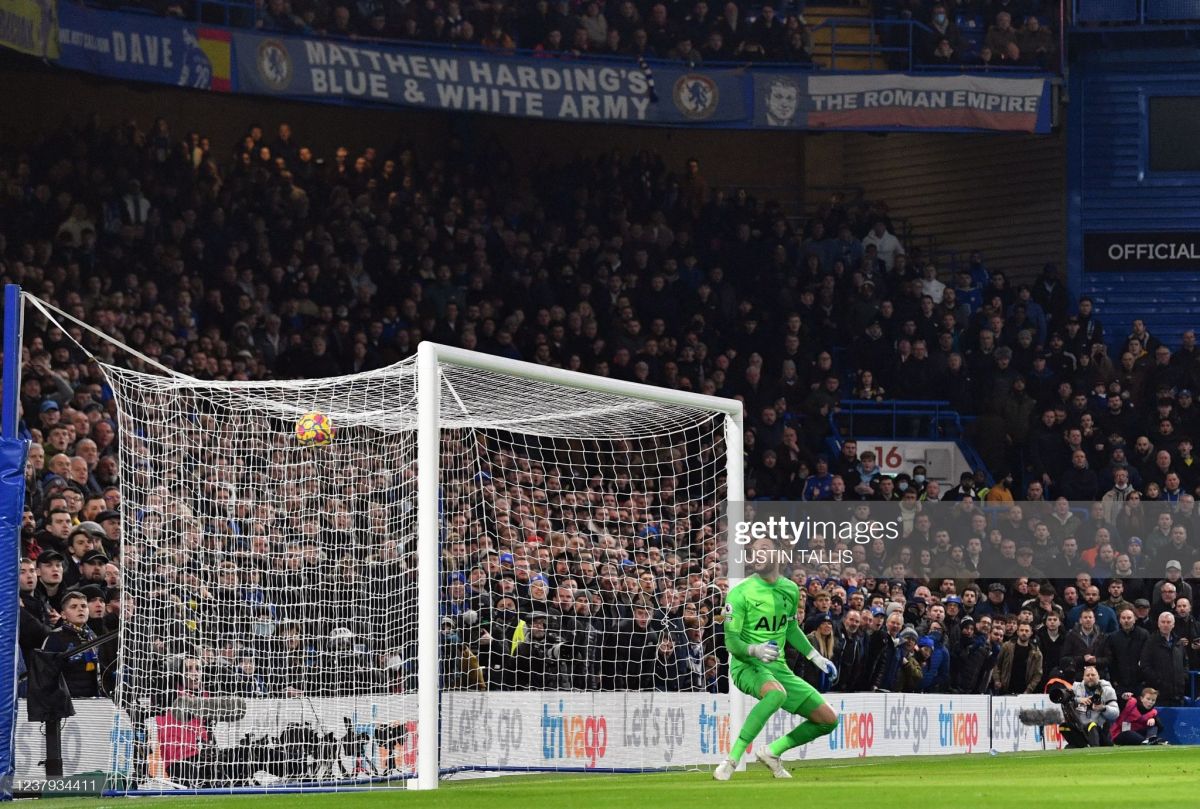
(274,64)
(696,96)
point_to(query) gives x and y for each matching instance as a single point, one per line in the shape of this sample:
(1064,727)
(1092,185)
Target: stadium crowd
(270,263)
(1000,32)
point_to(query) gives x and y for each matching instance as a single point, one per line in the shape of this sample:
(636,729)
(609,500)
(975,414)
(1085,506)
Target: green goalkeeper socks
(803,733)
(758,716)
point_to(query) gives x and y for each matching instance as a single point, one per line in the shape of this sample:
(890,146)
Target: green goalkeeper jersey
(758,611)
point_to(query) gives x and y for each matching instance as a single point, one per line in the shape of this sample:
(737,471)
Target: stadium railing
(914,419)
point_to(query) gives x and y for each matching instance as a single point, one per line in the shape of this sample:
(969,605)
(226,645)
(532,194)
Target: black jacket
(81,671)
(1076,647)
(1125,654)
(1164,667)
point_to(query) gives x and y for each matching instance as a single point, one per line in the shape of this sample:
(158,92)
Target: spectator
(1163,662)
(1138,720)
(1019,669)
(1085,645)
(1125,649)
(1037,46)
(81,671)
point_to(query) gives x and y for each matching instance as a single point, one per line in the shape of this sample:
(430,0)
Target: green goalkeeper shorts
(750,677)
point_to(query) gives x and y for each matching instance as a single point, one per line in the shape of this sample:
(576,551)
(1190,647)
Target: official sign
(1141,252)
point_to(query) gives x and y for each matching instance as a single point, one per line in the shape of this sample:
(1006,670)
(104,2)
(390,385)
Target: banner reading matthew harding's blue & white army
(550,88)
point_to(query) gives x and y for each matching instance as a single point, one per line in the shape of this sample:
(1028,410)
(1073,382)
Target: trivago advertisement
(162,50)
(558,730)
(635,730)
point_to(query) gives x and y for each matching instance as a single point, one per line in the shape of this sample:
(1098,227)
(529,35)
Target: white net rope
(272,585)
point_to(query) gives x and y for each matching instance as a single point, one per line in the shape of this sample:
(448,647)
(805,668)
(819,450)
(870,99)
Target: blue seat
(1173,9)
(1107,10)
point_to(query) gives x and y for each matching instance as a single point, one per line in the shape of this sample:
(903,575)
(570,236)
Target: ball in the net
(314,429)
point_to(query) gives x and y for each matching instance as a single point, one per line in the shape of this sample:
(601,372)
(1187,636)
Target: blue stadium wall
(1111,188)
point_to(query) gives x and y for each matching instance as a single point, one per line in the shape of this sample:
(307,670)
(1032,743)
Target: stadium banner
(136,47)
(162,50)
(550,88)
(901,101)
(30,26)
(1010,736)
(97,743)
(602,731)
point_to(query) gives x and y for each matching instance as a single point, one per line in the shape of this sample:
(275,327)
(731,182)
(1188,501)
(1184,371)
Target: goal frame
(430,357)
(429,361)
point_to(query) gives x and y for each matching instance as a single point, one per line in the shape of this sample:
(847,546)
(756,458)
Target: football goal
(460,562)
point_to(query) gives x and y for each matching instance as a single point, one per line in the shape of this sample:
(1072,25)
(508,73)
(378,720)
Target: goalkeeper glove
(824,664)
(766,652)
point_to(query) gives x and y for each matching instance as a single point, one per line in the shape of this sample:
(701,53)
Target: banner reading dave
(551,88)
(141,48)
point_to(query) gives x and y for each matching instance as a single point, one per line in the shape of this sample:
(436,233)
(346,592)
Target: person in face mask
(941,27)
(919,478)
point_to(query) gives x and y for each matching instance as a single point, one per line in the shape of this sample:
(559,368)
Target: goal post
(293,614)
(431,359)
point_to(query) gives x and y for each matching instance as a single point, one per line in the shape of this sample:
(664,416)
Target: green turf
(1112,778)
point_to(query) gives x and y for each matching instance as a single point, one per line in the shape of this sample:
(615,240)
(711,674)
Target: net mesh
(271,586)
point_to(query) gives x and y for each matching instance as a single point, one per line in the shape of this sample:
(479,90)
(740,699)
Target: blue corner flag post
(13,451)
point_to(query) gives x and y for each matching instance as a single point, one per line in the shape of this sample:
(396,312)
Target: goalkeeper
(760,620)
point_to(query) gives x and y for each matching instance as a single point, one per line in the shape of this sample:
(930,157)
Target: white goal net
(321,616)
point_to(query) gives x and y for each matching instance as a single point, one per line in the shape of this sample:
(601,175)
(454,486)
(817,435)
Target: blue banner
(162,50)
(553,88)
(143,48)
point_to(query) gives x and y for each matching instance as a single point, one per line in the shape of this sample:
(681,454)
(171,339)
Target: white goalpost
(490,566)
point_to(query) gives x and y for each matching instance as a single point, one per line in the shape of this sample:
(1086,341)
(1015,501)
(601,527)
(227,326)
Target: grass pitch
(1113,778)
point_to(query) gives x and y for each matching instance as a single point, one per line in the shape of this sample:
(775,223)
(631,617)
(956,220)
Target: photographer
(1095,706)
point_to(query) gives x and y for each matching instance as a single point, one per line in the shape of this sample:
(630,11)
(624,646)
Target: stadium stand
(268,263)
(839,35)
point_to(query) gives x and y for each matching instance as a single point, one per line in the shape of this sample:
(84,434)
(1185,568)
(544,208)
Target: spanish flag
(216,46)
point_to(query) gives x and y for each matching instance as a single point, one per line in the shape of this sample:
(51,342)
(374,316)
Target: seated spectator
(941,28)
(1000,36)
(1138,721)
(595,25)
(1036,42)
